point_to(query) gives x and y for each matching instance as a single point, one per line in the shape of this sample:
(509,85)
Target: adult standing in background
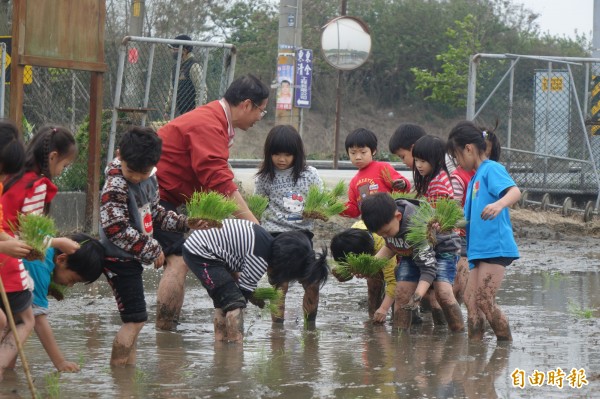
(195,157)
(189,95)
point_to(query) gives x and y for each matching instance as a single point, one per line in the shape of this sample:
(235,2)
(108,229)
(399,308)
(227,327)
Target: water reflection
(343,356)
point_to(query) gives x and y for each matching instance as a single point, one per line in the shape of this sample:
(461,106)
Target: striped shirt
(439,187)
(245,247)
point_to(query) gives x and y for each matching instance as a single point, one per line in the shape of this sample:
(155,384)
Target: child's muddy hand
(160,261)
(257,302)
(491,211)
(379,316)
(65,245)
(399,184)
(436,227)
(413,303)
(68,367)
(15,248)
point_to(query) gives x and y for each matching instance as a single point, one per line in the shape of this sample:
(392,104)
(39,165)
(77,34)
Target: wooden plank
(92,202)
(62,63)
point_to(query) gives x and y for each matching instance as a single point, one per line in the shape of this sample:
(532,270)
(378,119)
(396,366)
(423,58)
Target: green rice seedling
(57,291)
(402,195)
(211,207)
(323,203)
(580,312)
(52,382)
(272,295)
(34,230)
(257,204)
(428,221)
(360,264)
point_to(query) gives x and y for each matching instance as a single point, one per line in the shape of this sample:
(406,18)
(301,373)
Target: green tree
(449,86)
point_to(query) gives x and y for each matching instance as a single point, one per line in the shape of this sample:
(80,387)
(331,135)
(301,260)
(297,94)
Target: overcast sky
(563,17)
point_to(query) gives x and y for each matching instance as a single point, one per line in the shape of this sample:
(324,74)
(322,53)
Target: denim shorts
(408,270)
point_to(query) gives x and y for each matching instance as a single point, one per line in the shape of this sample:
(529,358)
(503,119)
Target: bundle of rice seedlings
(359,264)
(211,207)
(272,295)
(403,195)
(57,291)
(257,204)
(34,230)
(428,221)
(323,203)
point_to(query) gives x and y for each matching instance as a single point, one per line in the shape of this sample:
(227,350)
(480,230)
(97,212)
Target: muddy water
(545,295)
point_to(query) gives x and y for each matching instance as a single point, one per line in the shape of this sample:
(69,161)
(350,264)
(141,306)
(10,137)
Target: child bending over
(418,268)
(357,240)
(83,266)
(231,260)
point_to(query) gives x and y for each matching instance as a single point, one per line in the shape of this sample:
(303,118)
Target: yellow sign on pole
(27,73)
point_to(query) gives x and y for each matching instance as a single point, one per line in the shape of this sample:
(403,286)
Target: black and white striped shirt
(244,246)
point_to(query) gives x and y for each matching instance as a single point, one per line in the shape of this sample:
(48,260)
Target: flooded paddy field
(551,296)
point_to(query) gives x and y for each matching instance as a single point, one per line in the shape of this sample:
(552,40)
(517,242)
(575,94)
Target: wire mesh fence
(147,70)
(138,89)
(542,107)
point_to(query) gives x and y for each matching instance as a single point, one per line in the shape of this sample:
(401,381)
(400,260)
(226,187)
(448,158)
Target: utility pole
(289,40)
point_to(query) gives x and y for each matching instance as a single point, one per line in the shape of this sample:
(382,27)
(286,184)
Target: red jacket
(195,155)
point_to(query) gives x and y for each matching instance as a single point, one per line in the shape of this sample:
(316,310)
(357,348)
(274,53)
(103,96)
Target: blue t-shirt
(489,238)
(41,272)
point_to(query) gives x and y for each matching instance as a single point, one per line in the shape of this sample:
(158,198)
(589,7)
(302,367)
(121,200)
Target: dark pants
(125,279)
(217,280)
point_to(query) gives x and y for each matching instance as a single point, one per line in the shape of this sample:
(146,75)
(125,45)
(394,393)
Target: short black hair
(247,87)
(88,260)
(283,139)
(293,259)
(12,150)
(351,241)
(361,137)
(405,136)
(182,37)
(140,147)
(377,210)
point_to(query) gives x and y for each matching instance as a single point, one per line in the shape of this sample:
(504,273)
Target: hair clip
(53,130)
(484,134)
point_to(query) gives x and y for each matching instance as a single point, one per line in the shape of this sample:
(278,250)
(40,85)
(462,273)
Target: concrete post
(289,40)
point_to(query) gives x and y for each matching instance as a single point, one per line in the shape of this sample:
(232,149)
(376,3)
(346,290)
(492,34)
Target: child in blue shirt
(83,266)
(491,246)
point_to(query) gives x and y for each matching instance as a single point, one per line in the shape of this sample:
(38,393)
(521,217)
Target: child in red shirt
(373,176)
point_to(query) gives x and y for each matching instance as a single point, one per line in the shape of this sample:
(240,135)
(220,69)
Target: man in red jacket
(195,157)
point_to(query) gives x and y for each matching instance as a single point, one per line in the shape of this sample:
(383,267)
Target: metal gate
(542,105)
(144,92)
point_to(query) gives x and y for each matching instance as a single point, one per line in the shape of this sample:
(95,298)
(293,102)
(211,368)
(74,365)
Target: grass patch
(211,207)
(323,203)
(34,230)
